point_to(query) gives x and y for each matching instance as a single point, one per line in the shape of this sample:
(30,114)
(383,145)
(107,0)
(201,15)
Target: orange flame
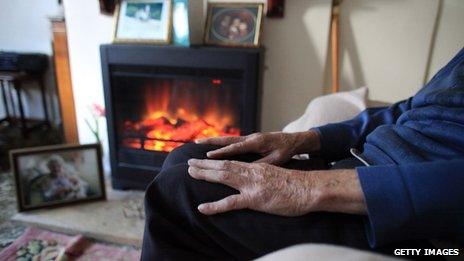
(168,123)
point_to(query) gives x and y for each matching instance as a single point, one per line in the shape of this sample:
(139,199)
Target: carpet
(38,244)
(9,231)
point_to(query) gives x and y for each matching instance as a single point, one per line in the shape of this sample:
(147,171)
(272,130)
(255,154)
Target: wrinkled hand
(262,187)
(275,147)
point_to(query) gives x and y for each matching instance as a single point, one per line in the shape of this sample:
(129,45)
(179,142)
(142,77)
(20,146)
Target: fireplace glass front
(156,111)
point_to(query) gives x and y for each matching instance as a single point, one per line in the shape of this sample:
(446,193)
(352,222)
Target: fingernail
(201,207)
(190,161)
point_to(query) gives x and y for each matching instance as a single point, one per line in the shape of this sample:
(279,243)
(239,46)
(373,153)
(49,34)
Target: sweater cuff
(389,208)
(333,141)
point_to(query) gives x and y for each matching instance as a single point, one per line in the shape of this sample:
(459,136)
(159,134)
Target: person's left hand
(262,187)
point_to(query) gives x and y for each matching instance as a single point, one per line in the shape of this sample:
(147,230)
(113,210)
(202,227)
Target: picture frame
(234,24)
(59,175)
(143,21)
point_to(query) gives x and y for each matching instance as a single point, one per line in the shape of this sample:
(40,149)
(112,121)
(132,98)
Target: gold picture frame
(230,13)
(166,15)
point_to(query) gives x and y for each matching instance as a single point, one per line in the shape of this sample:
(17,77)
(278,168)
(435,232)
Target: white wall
(449,36)
(86,30)
(296,48)
(385,45)
(24,27)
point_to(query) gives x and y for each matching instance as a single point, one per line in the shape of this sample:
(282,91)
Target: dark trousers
(176,230)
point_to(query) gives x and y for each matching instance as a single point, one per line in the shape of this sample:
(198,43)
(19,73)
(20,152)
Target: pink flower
(98,110)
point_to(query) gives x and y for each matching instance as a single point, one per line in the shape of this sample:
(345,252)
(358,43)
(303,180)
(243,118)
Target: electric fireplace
(160,97)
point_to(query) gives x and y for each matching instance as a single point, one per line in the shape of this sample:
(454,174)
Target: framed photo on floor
(57,175)
(234,24)
(143,21)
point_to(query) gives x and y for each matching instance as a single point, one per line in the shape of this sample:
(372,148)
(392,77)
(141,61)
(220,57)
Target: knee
(192,150)
(170,191)
(173,190)
(165,184)
(185,152)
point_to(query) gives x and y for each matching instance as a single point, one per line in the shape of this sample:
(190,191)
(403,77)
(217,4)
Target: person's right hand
(275,147)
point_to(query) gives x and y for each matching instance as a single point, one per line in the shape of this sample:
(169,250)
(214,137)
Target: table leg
(10,95)
(44,100)
(5,101)
(17,87)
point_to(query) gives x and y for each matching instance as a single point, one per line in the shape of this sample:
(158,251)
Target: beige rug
(119,220)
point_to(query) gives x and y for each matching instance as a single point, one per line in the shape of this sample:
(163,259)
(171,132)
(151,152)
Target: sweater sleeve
(414,201)
(338,138)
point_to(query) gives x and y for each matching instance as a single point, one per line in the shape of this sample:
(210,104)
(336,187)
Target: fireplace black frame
(247,60)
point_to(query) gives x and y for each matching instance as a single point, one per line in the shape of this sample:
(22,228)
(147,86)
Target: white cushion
(324,252)
(330,108)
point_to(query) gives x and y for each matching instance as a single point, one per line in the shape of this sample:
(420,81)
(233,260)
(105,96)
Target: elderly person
(61,182)
(243,197)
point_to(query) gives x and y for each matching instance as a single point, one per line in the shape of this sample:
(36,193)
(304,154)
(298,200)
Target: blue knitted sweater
(414,186)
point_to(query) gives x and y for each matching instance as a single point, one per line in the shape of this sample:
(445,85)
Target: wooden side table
(14,81)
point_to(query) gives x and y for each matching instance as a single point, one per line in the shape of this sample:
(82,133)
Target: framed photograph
(143,21)
(234,24)
(57,175)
